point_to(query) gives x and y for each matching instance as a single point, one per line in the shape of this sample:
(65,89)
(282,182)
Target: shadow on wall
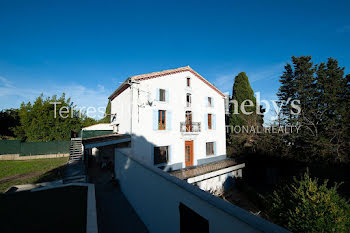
(157,196)
(145,151)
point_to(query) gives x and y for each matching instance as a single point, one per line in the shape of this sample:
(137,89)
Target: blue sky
(86,48)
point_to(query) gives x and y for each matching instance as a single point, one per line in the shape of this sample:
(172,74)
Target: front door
(189,153)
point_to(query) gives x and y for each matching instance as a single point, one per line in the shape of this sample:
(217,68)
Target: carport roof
(203,169)
(105,139)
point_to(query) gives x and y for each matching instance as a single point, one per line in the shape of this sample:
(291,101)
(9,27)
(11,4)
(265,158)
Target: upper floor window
(210,102)
(210,148)
(161,154)
(161,119)
(210,123)
(188,82)
(188,100)
(162,95)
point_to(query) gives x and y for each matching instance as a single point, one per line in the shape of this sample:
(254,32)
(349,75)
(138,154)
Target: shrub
(306,206)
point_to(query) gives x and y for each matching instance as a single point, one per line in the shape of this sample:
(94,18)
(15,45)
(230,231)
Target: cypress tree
(242,91)
(107,117)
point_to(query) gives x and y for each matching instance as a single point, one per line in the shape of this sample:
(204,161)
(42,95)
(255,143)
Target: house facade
(176,118)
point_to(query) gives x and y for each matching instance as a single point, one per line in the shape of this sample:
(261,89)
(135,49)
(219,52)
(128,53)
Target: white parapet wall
(217,181)
(156,196)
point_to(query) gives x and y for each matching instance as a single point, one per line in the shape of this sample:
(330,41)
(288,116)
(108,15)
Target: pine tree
(323,92)
(305,87)
(286,94)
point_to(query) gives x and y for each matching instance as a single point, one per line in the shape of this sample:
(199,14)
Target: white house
(176,118)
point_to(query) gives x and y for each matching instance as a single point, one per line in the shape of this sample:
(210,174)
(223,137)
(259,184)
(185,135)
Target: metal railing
(190,127)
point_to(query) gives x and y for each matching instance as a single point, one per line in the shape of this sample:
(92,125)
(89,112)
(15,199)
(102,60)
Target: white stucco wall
(155,195)
(122,107)
(145,137)
(217,184)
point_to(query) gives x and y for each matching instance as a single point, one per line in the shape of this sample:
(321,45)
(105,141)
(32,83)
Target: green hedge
(33,148)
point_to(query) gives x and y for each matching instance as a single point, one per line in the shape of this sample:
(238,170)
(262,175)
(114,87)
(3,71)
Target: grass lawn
(15,172)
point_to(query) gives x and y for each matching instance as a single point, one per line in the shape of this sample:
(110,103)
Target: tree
(107,116)
(307,206)
(286,93)
(323,92)
(40,122)
(241,93)
(9,119)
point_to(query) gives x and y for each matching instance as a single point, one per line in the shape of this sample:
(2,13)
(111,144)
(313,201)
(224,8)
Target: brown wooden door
(189,153)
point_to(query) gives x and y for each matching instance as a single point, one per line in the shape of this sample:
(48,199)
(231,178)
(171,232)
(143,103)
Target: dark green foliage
(9,119)
(286,91)
(39,123)
(307,206)
(242,91)
(323,91)
(107,116)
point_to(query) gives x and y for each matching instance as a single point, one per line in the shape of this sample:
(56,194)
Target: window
(188,121)
(188,100)
(210,104)
(161,154)
(188,82)
(161,119)
(162,95)
(191,221)
(210,121)
(210,148)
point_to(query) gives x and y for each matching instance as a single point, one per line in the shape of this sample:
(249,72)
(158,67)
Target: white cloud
(5,82)
(12,95)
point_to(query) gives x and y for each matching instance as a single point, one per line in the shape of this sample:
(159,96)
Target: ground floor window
(161,154)
(191,221)
(210,148)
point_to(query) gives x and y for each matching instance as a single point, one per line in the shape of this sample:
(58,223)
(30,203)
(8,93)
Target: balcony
(194,127)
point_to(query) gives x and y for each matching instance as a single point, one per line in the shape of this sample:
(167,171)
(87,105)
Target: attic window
(188,82)
(162,95)
(210,102)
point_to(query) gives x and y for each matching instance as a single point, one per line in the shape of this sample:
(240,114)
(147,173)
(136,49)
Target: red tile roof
(141,77)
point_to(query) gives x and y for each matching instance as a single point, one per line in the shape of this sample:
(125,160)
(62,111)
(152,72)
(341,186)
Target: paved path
(114,212)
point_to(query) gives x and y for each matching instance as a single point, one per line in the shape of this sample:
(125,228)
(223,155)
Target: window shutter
(169,154)
(168,120)
(206,101)
(155,119)
(167,95)
(214,121)
(212,101)
(157,94)
(214,145)
(206,121)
